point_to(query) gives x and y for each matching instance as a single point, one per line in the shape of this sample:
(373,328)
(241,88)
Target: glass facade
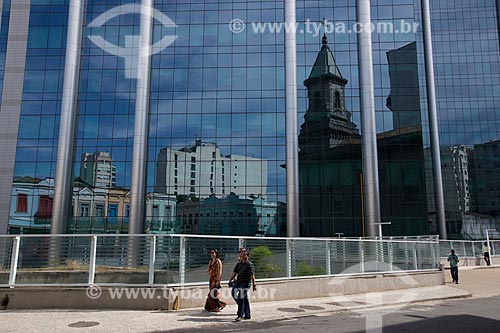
(216,142)
(39,117)
(466,51)
(330,142)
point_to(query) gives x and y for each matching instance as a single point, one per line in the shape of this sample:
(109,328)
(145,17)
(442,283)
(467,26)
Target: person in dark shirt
(453,259)
(243,274)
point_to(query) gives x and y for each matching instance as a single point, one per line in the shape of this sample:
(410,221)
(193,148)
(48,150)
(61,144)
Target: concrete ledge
(81,276)
(158,298)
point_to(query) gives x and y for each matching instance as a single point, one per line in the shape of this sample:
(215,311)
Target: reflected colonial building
(94,209)
(330,154)
(232,215)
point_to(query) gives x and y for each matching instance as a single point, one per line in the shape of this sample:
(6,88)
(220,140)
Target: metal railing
(173,260)
(471,249)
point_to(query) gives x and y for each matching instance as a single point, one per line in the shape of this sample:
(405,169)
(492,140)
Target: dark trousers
(240,295)
(454,273)
(487,258)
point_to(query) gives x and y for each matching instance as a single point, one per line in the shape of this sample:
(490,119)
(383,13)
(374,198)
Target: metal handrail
(368,256)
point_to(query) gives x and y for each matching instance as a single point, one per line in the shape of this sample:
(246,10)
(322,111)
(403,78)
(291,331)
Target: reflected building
(232,216)
(404,99)
(31,205)
(331,170)
(229,90)
(329,157)
(485,178)
(94,209)
(201,171)
(98,169)
(470,183)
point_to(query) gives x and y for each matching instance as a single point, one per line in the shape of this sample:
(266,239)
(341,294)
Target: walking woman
(213,302)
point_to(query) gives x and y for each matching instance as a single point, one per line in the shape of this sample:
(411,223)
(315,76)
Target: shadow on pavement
(445,324)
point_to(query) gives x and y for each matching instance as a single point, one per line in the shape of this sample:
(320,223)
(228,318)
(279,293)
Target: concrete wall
(194,297)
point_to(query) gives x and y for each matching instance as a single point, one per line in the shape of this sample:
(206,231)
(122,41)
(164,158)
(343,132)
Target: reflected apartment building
(203,133)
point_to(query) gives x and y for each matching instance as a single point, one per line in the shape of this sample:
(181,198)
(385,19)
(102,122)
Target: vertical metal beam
(152,260)
(63,192)
(12,96)
(433,120)
(182,260)
(433,254)
(139,159)
(415,258)
(328,258)
(391,254)
(292,145)
(361,256)
(369,135)
(93,253)
(289,258)
(14,260)
(497,2)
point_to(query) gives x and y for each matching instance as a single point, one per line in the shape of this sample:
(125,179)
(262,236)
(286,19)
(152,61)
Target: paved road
(481,314)
(478,314)
(459,316)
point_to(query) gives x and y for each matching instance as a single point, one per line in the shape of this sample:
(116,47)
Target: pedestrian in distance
(486,253)
(243,274)
(213,302)
(453,259)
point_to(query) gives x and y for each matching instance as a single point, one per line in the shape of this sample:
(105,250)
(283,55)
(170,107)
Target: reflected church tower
(327,121)
(330,154)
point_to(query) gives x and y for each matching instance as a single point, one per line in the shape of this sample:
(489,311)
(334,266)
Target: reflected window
(337,100)
(22,203)
(84,210)
(44,207)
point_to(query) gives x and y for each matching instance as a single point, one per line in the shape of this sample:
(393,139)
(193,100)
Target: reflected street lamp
(380,227)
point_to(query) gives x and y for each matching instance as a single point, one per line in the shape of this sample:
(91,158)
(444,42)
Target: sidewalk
(473,282)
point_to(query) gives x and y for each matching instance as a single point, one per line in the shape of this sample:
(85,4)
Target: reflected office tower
(484,168)
(98,169)
(404,99)
(201,170)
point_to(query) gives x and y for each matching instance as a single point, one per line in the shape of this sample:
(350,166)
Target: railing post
(415,262)
(328,258)
(93,251)
(407,257)
(465,250)
(344,260)
(361,255)
(433,254)
(473,244)
(289,258)
(391,254)
(241,243)
(182,259)
(152,260)
(14,261)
